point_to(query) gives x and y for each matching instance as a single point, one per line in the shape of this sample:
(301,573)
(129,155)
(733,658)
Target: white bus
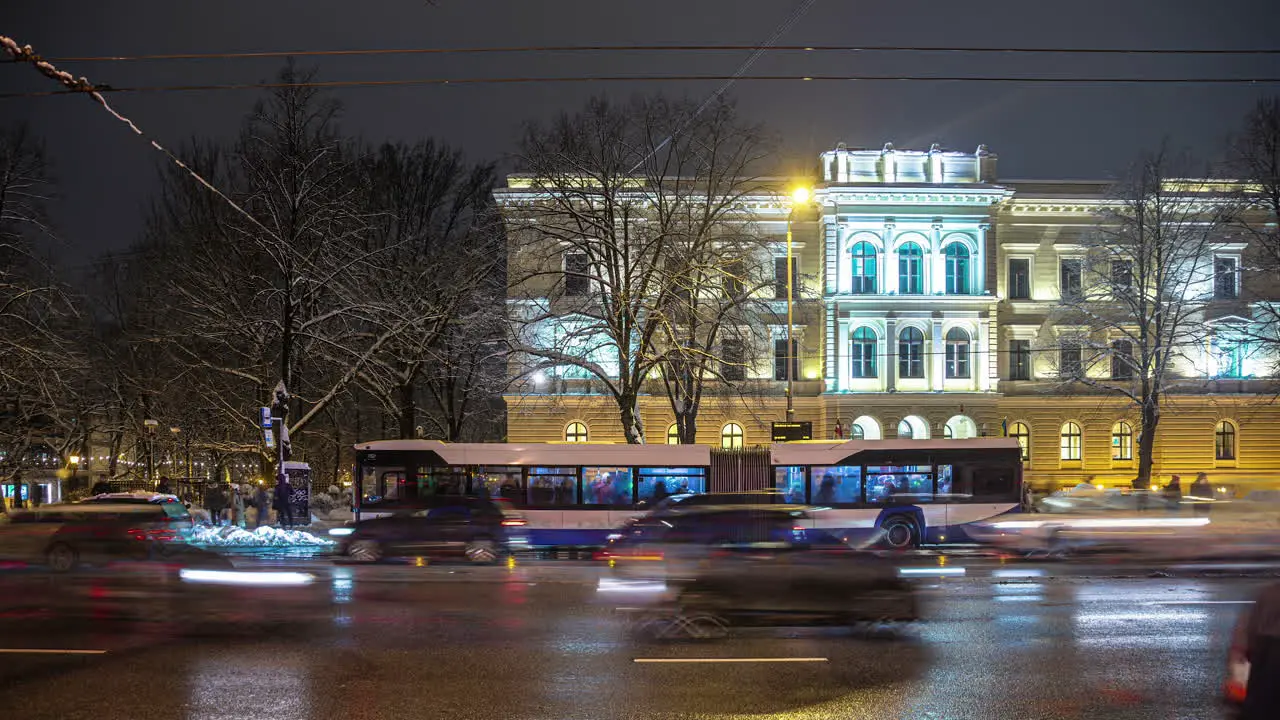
(575,494)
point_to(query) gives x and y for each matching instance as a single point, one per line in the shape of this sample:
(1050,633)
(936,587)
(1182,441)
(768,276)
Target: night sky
(1061,131)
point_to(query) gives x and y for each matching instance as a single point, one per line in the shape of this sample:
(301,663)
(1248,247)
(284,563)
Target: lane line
(1202,602)
(48,651)
(732,660)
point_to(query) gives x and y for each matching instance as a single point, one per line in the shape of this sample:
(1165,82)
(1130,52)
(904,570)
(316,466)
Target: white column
(978,268)
(831,268)
(981,360)
(842,166)
(889,271)
(938,355)
(829,372)
(935,268)
(842,355)
(889,368)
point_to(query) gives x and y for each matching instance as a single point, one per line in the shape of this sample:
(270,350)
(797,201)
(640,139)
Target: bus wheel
(365,551)
(900,533)
(61,558)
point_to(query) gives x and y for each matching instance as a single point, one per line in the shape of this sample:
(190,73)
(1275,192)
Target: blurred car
(1253,659)
(64,536)
(177,515)
(477,529)
(685,502)
(760,566)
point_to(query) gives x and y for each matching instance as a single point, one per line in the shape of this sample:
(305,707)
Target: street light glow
(800,195)
(74,459)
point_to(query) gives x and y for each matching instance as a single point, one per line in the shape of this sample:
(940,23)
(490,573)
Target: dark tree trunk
(408,409)
(632,427)
(1147,444)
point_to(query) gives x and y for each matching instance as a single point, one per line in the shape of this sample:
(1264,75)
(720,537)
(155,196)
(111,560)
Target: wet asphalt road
(537,642)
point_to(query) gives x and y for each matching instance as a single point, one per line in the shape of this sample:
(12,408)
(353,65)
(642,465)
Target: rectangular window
(780,278)
(957,365)
(780,359)
(732,360)
(863,358)
(606,486)
(1225,274)
(1019,359)
(1229,355)
(836,484)
(576,281)
(789,480)
(656,484)
(1121,275)
(1121,360)
(553,486)
(1069,360)
(1019,279)
(884,483)
(1069,279)
(734,274)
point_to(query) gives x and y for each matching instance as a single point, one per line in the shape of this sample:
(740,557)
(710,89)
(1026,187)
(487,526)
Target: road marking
(919,571)
(48,651)
(731,660)
(1202,602)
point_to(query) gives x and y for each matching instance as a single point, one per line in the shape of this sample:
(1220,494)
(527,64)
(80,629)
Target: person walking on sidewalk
(262,503)
(284,504)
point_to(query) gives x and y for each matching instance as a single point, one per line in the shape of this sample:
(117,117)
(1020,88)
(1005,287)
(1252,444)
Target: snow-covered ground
(228,536)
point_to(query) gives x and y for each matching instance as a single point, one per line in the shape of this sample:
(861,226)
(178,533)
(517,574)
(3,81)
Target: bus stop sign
(792,431)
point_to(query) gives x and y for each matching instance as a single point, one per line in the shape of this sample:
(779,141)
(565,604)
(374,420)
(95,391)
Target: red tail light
(514,522)
(159,535)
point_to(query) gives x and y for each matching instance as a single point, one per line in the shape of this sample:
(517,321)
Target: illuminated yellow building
(924,303)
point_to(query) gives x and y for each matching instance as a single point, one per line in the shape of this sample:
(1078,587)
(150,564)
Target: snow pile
(229,536)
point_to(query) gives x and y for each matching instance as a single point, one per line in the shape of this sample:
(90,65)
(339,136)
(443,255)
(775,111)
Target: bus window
(498,482)
(887,482)
(437,480)
(383,484)
(836,484)
(655,484)
(790,482)
(553,486)
(606,486)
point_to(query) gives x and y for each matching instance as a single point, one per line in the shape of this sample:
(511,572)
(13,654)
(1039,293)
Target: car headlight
(341,531)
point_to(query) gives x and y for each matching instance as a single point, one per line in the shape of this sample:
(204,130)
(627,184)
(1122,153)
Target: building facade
(927,302)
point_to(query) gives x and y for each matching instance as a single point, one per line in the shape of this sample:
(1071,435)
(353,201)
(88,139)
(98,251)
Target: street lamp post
(151,448)
(798,197)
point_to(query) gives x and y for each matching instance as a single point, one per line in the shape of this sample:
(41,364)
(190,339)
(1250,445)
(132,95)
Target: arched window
(1122,441)
(673,434)
(910,269)
(960,427)
(911,353)
(863,256)
(957,353)
(957,257)
(862,353)
(575,432)
(1020,432)
(913,427)
(857,432)
(864,427)
(731,436)
(1224,441)
(1070,441)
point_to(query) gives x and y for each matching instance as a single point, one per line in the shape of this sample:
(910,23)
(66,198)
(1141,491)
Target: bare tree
(1139,289)
(38,366)
(1255,159)
(432,221)
(628,213)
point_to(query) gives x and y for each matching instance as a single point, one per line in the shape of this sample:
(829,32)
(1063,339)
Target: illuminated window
(957,257)
(1229,357)
(857,432)
(1226,281)
(862,351)
(910,269)
(957,353)
(911,353)
(863,256)
(575,432)
(1020,432)
(731,436)
(1070,441)
(1224,441)
(1019,279)
(1122,441)
(1019,359)
(905,431)
(673,434)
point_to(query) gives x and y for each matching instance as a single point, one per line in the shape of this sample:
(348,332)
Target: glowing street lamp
(73,460)
(799,196)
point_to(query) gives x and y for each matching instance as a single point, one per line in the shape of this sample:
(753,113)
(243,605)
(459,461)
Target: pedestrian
(1257,641)
(1173,491)
(215,502)
(1028,498)
(237,506)
(261,503)
(284,503)
(163,486)
(1202,491)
